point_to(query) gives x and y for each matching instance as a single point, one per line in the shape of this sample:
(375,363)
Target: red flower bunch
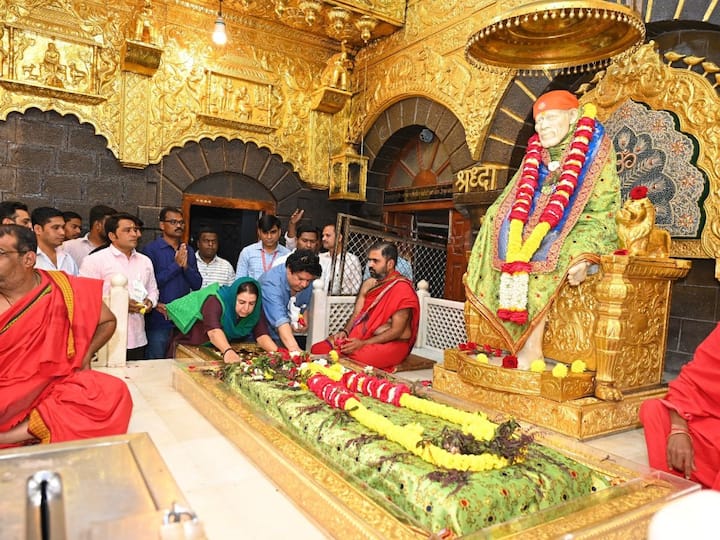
(491,351)
(638,192)
(518,317)
(510,361)
(380,389)
(470,347)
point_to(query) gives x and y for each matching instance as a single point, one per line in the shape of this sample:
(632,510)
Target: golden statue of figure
(337,71)
(144,29)
(51,69)
(636,227)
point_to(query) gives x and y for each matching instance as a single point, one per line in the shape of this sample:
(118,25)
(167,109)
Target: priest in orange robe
(383,327)
(682,431)
(51,325)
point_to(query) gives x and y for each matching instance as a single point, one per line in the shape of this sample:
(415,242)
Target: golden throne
(617,320)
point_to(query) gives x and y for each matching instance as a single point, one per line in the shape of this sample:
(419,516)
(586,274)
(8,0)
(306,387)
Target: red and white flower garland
(515,276)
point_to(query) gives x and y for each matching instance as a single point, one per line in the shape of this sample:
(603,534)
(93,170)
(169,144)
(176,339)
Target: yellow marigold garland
(410,436)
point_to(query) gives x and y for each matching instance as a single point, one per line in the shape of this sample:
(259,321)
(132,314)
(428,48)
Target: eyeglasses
(5,252)
(175,222)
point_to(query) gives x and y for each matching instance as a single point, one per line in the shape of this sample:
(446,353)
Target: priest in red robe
(51,324)
(383,327)
(682,431)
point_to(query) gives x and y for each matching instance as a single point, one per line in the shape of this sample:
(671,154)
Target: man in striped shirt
(212,268)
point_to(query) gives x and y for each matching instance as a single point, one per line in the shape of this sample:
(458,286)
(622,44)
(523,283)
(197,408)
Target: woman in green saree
(220,315)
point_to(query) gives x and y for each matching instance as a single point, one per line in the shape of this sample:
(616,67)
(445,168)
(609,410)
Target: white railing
(442,322)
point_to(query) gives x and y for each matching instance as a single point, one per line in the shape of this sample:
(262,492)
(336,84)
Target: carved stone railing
(442,322)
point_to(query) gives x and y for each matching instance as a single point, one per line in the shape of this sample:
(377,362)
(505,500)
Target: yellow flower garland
(410,436)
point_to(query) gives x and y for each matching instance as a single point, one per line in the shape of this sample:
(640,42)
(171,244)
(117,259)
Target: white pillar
(115,350)
(318,323)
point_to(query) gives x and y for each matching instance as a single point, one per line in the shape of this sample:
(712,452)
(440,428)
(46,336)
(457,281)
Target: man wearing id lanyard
(258,258)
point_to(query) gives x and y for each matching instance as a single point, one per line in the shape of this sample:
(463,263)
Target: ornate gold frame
(643,77)
(342,510)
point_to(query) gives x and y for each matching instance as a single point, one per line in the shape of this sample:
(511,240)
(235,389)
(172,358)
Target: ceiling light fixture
(558,37)
(219,36)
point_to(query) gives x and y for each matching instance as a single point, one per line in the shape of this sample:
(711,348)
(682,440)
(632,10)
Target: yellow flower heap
(336,388)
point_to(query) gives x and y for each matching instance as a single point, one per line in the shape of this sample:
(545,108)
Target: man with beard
(176,274)
(121,257)
(383,327)
(349,282)
(79,248)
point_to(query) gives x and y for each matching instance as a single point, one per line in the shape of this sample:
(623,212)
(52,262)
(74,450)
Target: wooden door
(457,247)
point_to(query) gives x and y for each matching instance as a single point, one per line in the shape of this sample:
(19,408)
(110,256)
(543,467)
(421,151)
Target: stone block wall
(694,313)
(53,160)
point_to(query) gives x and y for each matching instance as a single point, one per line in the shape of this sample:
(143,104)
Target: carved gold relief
(49,66)
(581,418)
(692,99)
(240,103)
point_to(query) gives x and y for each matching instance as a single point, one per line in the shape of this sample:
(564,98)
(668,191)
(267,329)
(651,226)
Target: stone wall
(53,160)
(694,312)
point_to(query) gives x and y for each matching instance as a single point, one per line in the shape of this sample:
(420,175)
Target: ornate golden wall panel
(692,99)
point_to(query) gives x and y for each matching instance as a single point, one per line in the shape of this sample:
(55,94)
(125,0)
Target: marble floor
(231,497)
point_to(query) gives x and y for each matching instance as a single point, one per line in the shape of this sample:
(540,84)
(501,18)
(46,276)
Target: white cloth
(352,274)
(64,262)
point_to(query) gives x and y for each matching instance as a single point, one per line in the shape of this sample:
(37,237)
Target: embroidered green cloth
(432,498)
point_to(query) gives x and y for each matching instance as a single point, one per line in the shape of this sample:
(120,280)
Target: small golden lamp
(348,175)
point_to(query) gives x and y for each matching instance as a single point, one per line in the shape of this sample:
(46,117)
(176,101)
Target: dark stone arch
(231,168)
(397,125)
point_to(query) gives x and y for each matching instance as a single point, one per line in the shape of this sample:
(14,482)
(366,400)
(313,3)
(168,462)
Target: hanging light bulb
(219,36)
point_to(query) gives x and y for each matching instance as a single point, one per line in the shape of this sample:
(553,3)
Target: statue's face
(552,125)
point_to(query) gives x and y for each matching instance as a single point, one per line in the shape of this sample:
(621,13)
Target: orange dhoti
(43,340)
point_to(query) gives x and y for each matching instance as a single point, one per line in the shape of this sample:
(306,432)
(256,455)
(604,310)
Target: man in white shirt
(212,268)
(121,257)
(349,283)
(79,248)
(49,226)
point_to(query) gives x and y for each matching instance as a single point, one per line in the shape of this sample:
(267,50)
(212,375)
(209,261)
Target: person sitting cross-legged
(51,325)
(383,327)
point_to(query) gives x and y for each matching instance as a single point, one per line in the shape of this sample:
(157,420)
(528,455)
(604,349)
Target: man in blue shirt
(260,256)
(176,274)
(279,284)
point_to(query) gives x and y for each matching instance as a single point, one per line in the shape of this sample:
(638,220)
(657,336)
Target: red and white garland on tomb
(515,275)
(338,389)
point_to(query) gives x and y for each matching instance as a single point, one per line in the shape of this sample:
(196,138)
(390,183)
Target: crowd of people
(181,295)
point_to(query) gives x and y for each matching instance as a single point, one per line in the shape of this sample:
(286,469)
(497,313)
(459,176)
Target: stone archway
(394,128)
